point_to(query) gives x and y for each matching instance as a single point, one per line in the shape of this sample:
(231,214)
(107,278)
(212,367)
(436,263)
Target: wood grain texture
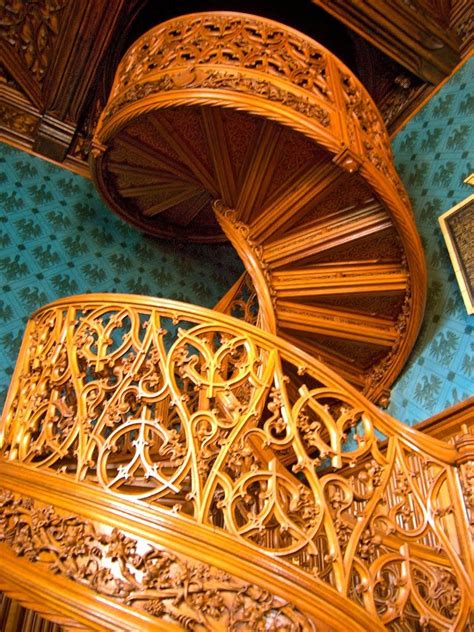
(407,31)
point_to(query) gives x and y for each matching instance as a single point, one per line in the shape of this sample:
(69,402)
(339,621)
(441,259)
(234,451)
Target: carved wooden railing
(202,439)
(164,466)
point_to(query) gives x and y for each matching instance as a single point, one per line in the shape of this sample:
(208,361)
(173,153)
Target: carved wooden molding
(449,423)
(174,536)
(461,21)
(28,35)
(53,49)
(19,122)
(119,567)
(18,117)
(406,31)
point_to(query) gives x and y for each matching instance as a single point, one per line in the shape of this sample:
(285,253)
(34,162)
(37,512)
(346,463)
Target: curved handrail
(225,564)
(198,413)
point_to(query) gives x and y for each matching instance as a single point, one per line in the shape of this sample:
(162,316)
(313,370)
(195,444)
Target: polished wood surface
(166,467)
(174,439)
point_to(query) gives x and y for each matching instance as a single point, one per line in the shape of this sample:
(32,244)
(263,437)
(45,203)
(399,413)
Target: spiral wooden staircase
(170,467)
(223,126)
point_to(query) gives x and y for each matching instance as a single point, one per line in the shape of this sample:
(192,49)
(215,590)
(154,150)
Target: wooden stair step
(258,170)
(292,199)
(337,323)
(185,152)
(140,152)
(173,200)
(140,171)
(348,278)
(340,227)
(157,186)
(214,128)
(195,209)
(345,367)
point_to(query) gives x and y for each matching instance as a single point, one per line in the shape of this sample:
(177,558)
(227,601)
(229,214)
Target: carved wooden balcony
(168,467)
(230,126)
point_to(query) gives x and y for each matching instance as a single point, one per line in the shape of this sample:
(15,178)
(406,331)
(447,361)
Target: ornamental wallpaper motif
(434,153)
(57,238)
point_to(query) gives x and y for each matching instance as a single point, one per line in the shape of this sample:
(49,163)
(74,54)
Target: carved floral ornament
(219,80)
(18,121)
(195,413)
(120,567)
(241,41)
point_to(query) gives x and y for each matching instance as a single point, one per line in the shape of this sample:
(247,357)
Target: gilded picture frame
(457,226)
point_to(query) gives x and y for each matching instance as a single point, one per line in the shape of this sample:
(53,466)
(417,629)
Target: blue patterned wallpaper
(57,238)
(434,153)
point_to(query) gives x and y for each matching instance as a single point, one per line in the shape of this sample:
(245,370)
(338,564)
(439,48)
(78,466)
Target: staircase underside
(237,128)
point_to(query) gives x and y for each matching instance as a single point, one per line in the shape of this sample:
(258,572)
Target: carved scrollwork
(236,40)
(17,121)
(196,414)
(241,301)
(138,574)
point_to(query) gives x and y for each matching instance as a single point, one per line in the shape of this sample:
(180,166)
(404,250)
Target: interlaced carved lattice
(230,40)
(209,418)
(241,301)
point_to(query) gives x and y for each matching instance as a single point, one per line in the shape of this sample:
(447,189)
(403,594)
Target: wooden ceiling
(58,57)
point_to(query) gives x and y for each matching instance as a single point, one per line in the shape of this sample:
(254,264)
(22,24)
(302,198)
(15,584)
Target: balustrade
(216,423)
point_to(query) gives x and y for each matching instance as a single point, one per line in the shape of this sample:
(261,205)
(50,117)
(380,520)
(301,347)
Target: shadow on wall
(57,238)
(434,153)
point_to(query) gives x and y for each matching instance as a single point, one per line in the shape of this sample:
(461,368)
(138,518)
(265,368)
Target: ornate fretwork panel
(212,421)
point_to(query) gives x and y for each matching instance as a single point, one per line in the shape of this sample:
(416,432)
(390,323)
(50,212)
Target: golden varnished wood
(169,467)
(183,444)
(253,115)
